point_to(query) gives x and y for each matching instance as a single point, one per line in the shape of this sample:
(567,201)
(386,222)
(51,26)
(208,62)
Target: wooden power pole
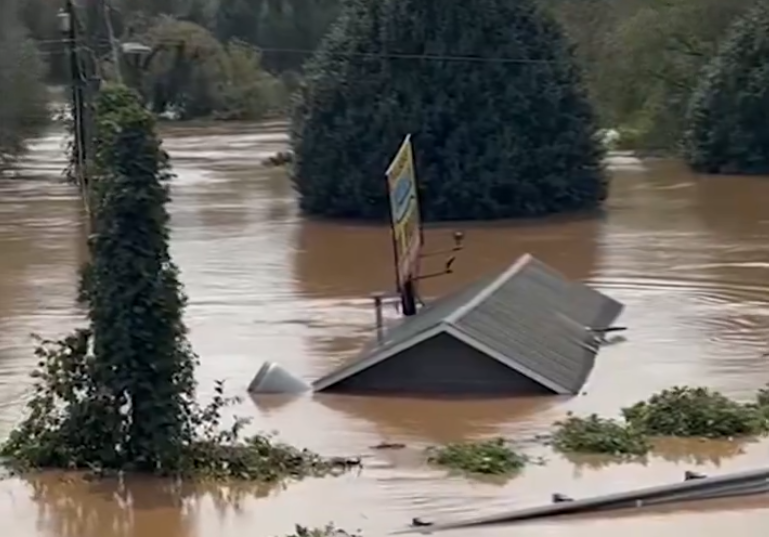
(81,94)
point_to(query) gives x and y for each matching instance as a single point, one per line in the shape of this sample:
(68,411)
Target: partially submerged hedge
(682,412)
(599,435)
(489,457)
(696,412)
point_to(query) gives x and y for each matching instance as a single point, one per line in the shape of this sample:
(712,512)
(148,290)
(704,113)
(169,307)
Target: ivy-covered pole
(143,359)
(121,394)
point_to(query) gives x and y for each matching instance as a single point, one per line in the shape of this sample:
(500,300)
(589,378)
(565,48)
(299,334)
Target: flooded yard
(689,256)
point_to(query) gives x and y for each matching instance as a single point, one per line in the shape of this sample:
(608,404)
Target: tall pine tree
(490,91)
(728,118)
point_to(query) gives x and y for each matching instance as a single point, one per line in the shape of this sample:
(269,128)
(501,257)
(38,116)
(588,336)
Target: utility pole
(81,91)
(68,26)
(114,47)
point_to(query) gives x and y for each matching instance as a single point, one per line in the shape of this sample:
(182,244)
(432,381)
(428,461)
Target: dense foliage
(121,395)
(696,412)
(642,58)
(287,29)
(681,412)
(23,109)
(599,435)
(500,122)
(727,128)
(194,75)
(491,457)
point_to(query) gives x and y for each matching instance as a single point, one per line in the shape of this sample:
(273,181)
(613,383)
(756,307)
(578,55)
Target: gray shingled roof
(530,318)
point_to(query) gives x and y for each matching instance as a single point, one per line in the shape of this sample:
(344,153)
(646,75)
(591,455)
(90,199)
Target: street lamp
(64,20)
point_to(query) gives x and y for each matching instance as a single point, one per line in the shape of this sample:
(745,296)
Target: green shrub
(249,92)
(492,457)
(194,74)
(695,412)
(599,435)
(501,124)
(727,130)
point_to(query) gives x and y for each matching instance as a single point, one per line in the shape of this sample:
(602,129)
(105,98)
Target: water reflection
(71,506)
(436,421)
(733,210)
(342,261)
(695,452)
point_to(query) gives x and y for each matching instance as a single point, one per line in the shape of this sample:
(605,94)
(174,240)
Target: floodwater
(688,256)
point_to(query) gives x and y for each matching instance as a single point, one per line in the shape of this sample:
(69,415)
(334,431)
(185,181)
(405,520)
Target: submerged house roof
(525,331)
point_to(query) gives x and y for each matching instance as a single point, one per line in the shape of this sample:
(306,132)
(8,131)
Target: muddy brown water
(688,255)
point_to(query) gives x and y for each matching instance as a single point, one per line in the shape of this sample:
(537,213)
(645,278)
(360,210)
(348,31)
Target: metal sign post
(406,224)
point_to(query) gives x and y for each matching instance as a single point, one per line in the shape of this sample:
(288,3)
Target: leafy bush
(695,412)
(599,435)
(193,73)
(727,131)
(494,457)
(501,124)
(249,92)
(121,395)
(682,412)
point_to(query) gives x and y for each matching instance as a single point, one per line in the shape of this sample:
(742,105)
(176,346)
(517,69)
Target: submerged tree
(727,129)
(501,124)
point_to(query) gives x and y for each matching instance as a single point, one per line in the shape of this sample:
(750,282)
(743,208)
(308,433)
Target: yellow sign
(404,211)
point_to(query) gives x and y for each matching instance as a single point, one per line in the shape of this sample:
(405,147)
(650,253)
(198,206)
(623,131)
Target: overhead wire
(383,55)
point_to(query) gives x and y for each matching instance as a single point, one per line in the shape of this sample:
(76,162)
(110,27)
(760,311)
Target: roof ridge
(487,291)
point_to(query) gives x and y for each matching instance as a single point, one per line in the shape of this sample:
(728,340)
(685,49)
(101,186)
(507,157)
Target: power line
(373,55)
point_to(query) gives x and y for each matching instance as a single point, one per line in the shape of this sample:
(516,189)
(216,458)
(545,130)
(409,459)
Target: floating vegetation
(594,434)
(489,457)
(678,412)
(697,412)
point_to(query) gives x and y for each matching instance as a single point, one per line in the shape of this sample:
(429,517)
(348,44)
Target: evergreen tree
(727,128)
(490,91)
(286,29)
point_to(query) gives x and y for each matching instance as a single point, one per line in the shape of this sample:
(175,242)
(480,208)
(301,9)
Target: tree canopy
(490,92)
(727,122)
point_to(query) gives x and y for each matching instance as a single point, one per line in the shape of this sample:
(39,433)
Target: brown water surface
(689,256)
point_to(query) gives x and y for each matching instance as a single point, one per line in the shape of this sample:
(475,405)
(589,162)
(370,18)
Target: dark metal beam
(747,483)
